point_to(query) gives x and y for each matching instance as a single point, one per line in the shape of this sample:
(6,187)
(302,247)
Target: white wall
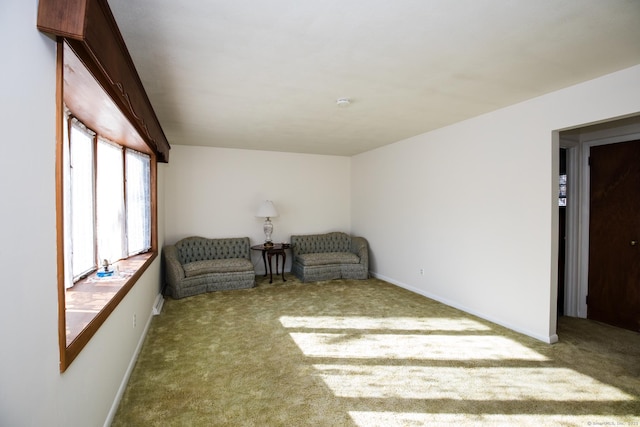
(33,392)
(475,204)
(215,192)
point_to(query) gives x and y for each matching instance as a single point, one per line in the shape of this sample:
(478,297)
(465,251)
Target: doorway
(573,261)
(562,229)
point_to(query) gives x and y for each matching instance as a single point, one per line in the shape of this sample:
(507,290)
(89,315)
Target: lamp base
(268,229)
(268,244)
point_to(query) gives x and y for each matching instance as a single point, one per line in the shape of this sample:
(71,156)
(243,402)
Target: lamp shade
(267,210)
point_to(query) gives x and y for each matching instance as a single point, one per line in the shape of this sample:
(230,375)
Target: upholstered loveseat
(195,265)
(329,256)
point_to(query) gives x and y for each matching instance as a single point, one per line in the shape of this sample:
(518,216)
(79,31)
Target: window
(138,202)
(80,195)
(108,201)
(107,192)
(98,83)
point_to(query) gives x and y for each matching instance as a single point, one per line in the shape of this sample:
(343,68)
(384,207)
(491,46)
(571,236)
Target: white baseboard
(551,339)
(132,362)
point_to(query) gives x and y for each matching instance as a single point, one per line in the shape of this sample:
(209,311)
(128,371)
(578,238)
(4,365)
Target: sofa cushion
(315,243)
(324,258)
(195,248)
(228,265)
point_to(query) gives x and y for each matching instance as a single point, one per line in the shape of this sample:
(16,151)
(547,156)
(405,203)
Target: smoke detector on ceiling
(343,102)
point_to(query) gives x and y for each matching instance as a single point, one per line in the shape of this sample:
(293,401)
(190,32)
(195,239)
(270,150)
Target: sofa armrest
(173,268)
(295,246)
(360,247)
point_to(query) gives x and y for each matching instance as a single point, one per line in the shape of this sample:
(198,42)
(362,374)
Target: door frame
(578,143)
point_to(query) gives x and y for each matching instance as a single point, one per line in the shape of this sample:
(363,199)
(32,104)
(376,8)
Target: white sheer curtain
(99,223)
(79,213)
(138,202)
(110,202)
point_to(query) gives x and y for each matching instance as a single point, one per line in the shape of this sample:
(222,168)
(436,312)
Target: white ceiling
(266,75)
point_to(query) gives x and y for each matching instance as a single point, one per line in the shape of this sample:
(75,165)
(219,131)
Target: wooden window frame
(106,77)
(69,349)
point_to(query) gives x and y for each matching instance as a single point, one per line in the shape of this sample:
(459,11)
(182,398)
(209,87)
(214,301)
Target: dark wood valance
(89,28)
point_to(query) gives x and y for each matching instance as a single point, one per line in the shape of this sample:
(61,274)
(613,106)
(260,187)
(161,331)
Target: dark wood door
(614,235)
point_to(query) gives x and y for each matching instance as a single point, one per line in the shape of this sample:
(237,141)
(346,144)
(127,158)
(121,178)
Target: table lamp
(267,210)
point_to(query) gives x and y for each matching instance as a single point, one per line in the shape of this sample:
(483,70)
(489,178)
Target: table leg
(269,255)
(284,261)
(264,260)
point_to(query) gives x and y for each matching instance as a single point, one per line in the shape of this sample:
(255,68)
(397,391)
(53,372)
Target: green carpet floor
(367,353)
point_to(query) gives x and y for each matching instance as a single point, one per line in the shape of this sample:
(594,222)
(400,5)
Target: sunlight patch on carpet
(393,419)
(497,384)
(409,346)
(390,323)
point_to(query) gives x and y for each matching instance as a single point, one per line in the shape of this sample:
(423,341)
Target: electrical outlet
(134,321)
(422,271)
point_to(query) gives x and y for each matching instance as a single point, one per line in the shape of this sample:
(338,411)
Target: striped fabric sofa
(329,256)
(196,265)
